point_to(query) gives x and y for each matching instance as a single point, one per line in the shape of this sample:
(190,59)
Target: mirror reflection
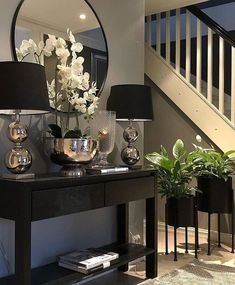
(38,18)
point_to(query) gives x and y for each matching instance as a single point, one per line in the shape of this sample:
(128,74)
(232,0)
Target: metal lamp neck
(17,116)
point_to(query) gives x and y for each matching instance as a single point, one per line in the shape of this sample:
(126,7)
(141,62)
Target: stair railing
(172,52)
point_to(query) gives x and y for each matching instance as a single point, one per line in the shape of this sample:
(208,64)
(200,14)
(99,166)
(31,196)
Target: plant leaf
(229,152)
(55,130)
(154,158)
(163,151)
(178,149)
(75,134)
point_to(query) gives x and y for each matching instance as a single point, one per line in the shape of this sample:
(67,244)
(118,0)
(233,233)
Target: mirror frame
(13,47)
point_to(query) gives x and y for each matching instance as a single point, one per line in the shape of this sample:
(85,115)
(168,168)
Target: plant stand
(216,198)
(181,213)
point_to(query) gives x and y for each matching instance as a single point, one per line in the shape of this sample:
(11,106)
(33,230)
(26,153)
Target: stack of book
(88,261)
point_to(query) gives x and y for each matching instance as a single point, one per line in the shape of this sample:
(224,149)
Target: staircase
(192,60)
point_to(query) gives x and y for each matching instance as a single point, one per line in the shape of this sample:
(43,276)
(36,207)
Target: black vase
(180,212)
(216,196)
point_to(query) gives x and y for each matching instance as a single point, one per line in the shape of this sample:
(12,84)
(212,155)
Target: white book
(88,258)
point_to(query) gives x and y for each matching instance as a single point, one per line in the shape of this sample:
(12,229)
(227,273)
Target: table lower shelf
(52,274)
(115,277)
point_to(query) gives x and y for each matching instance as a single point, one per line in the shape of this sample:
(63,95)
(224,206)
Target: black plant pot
(216,196)
(180,212)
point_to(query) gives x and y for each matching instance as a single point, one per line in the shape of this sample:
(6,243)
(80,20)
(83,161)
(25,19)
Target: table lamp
(23,91)
(133,103)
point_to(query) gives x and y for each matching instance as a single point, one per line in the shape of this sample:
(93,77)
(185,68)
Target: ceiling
(156,6)
(62,14)
(59,14)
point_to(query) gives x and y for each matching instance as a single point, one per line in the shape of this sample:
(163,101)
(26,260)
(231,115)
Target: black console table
(51,196)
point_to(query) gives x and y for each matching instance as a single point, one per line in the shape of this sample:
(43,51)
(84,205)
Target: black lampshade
(131,102)
(23,87)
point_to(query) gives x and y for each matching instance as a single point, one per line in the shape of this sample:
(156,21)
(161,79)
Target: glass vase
(103,129)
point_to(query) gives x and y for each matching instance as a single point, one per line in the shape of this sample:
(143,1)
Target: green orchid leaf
(55,130)
(77,134)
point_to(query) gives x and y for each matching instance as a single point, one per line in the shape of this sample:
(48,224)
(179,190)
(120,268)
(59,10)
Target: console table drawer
(119,192)
(63,201)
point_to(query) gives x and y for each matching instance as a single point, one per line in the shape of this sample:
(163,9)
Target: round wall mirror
(35,19)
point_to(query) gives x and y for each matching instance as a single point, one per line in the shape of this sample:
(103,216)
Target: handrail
(212,24)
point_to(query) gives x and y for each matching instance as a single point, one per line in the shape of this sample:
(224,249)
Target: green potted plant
(174,175)
(213,169)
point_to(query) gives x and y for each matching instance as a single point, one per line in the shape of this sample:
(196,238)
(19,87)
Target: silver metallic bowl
(71,153)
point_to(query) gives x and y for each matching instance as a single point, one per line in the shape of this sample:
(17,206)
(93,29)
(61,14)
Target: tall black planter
(181,213)
(216,197)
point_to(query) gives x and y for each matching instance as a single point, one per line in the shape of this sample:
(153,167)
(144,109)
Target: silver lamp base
(130,154)
(18,176)
(18,160)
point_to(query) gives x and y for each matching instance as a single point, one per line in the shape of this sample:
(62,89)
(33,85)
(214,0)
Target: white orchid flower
(78,61)
(70,73)
(40,47)
(51,89)
(52,39)
(59,107)
(26,48)
(62,52)
(81,108)
(60,43)
(86,76)
(49,46)
(71,36)
(19,55)
(76,81)
(77,47)
(32,46)
(91,109)
(77,65)
(93,88)
(64,72)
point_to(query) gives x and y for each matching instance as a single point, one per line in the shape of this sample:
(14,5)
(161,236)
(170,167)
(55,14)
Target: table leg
(232,226)
(186,239)
(166,229)
(196,230)
(123,228)
(209,235)
(23,240)
(219,239)
(151,236)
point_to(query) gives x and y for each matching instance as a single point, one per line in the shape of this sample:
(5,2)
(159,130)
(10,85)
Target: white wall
(124,28)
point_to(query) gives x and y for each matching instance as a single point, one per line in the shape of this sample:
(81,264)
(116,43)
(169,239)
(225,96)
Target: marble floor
(219,255)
